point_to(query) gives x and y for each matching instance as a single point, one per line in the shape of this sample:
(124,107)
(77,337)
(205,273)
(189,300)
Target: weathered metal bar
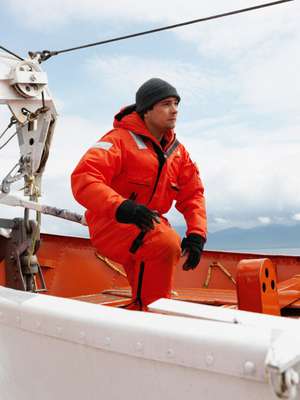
(11,200)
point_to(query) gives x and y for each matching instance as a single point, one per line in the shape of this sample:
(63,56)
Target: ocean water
(293,251)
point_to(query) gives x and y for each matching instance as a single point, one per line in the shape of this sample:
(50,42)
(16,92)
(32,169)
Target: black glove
(193,244)
(129,212)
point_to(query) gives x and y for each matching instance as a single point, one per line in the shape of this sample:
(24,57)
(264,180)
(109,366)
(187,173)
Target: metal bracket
(285,384)
(283,365)
(21,263)
(12,177)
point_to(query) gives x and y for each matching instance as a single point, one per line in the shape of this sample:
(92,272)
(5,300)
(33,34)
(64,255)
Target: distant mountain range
(270,236)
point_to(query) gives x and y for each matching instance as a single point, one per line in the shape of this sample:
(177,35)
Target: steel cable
(11,53)
(4,132)
(8,140)
(46,54)
(11,123)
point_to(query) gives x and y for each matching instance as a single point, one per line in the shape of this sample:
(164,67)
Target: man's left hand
(193,244)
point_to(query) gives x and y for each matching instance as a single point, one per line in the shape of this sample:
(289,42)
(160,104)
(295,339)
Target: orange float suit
(129,163)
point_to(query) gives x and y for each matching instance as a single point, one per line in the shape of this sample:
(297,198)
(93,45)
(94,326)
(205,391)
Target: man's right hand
(131,213)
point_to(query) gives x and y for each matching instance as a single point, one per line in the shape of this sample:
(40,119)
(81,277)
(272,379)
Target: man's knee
(163,243)
(170,242)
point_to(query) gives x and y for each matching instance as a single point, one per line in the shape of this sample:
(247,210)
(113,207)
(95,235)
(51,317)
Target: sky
(239,117)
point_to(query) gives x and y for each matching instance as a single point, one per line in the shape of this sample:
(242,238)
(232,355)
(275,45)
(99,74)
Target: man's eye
(169,104)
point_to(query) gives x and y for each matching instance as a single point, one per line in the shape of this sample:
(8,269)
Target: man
(129,179)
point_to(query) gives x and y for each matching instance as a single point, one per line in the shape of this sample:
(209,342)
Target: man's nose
(174,108)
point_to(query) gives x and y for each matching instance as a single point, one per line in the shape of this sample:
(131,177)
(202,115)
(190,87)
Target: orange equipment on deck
(257,286)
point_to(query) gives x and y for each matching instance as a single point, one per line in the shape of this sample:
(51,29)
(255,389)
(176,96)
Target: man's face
(163,114)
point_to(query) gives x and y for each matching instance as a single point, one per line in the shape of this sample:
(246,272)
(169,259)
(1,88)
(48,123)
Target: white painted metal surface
(54,348)
(10,97)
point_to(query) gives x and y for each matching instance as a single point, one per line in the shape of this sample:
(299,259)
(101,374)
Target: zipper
(162,157)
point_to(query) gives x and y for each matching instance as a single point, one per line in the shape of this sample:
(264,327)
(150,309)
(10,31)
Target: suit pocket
(139,182)
(139,188)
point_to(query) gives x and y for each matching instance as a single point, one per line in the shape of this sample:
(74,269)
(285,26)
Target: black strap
(138,299)
(140,284)
(138,241)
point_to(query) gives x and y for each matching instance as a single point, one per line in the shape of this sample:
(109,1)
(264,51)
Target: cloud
(35,14)
(235,36)
(259,76)
(270,83)
(73,136)
(257,52)
(220,220)
(246,171)
(296,217)
(264,220)
(122,75)
(57,12)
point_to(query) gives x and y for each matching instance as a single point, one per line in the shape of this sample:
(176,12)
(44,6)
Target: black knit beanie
(153,91)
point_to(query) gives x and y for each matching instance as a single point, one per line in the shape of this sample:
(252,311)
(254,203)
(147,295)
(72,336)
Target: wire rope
(11,53)
(46,54)
(8,140)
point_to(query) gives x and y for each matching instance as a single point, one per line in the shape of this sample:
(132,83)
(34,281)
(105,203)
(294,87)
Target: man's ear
(146,114)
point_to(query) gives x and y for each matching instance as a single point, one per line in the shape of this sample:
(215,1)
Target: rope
(46,54)
(11,53)
(110,264)
(11,123)
(8,140)
(222,268)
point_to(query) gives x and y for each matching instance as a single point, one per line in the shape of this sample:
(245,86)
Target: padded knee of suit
(164,244)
